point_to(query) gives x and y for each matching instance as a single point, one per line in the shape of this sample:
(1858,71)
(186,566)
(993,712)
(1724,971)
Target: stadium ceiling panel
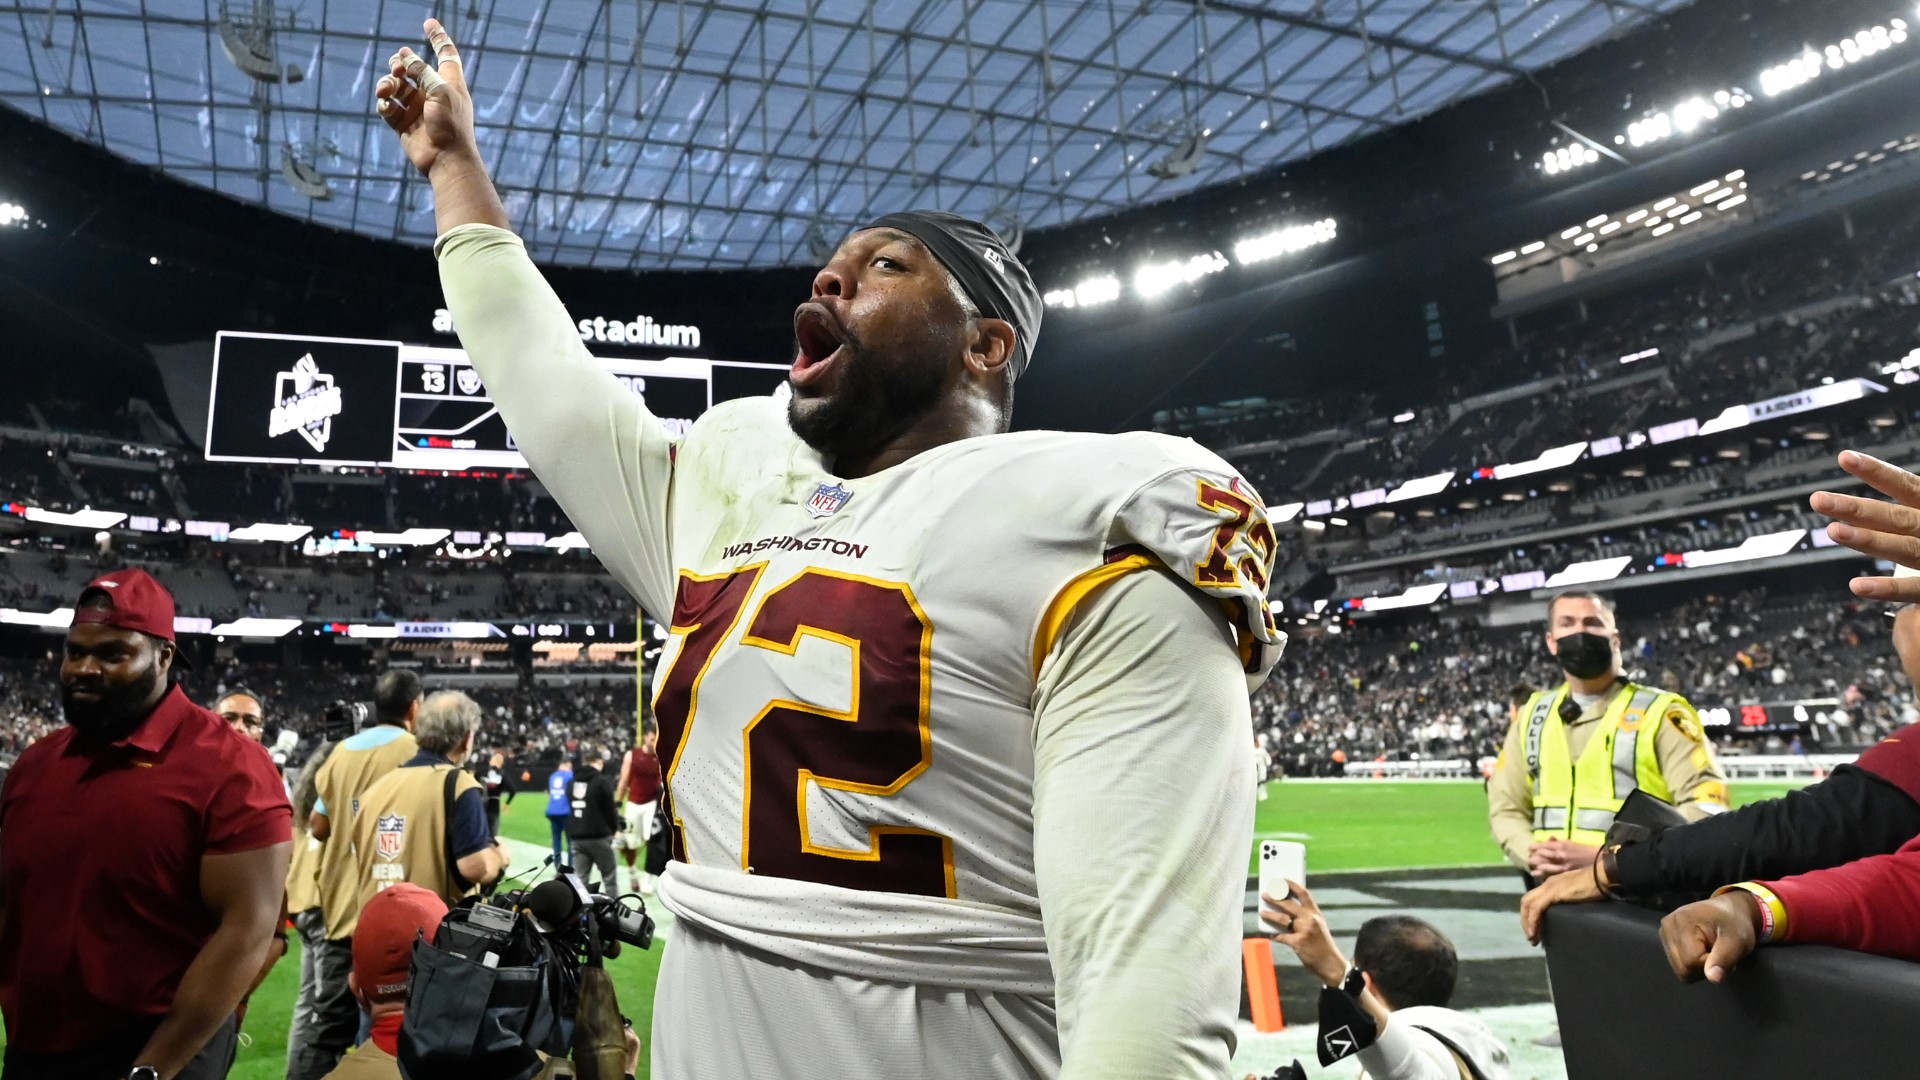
(753,133)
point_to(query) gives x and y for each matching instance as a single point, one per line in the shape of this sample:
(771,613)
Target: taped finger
(443,48)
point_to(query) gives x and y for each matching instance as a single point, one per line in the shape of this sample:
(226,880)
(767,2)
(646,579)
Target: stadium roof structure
(699,134)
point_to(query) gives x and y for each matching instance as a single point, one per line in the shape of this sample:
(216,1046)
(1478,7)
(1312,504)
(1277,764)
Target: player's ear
(991,346)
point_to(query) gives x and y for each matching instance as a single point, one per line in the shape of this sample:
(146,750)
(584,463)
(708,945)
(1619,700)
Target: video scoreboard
(346,401)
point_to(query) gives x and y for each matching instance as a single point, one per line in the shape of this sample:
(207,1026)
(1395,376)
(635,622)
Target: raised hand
(1884,530)
(429,105)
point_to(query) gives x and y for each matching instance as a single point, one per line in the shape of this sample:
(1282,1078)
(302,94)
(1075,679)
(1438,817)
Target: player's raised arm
(592,442)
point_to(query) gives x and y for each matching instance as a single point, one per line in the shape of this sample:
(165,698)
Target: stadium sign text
(640,330)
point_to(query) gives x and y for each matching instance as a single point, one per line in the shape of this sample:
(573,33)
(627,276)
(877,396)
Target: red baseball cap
(383,941)
(137,602)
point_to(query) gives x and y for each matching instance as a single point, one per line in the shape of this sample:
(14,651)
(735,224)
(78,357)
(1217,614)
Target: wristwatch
(144,1072)
(1353,985)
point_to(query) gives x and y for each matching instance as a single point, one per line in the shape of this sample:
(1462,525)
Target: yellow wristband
(1774,919)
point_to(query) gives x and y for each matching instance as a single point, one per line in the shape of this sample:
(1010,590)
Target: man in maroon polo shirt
(143,850)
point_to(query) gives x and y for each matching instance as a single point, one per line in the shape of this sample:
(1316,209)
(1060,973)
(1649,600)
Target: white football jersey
(878,703)
(847,695)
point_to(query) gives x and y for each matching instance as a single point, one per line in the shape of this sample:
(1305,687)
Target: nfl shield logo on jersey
(826,499)
(390,830)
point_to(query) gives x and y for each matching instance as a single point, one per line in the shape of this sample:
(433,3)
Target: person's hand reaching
(1884,530)
(1572,887)
(1298,924)
(428,104)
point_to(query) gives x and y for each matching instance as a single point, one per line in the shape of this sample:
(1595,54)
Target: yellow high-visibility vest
(1577,800)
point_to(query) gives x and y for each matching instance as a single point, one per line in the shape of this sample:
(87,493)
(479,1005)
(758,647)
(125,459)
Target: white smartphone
(1281,861)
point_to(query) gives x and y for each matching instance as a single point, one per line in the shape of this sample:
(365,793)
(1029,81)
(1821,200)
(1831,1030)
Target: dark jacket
(595,813)
(1871,807)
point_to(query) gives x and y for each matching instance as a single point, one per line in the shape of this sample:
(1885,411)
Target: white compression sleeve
(594,445)
(1143,818)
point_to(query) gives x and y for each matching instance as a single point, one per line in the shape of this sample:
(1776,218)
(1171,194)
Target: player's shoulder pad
(1197,515)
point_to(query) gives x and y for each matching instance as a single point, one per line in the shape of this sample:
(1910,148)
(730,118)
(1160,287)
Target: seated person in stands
(1836,863)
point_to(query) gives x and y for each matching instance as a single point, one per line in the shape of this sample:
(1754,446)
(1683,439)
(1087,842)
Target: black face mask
(1585,656)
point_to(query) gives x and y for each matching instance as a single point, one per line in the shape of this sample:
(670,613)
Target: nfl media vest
(400,833)
(349,771)
(1577,800)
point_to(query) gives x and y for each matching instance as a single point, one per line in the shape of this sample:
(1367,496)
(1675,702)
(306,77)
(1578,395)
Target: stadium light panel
(269,532)
(1571,233)
(1537,245)
(1731,203)
(12,214)
(57,619)
(415,537)
(1272,245)
(1691,218)
(1155,278)
(1504,257)
(79,519)
(1418,596)
(255,627)
(1584,573)
(1092,292)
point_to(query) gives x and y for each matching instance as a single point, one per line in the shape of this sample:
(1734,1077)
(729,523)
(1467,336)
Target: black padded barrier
(1791,1011)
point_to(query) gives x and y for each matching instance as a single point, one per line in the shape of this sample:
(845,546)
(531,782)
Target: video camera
(564,909)
(529,962)
(342,718)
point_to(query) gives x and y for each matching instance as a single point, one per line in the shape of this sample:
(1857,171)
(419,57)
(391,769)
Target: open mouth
(820,343)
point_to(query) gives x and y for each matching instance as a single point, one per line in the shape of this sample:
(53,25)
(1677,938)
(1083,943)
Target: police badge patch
(827,499)
(389,833)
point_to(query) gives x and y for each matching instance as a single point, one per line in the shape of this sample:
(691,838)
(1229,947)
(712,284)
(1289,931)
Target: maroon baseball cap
(138,602)
(383,941)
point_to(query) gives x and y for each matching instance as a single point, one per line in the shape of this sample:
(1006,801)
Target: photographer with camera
(426,821)
(325,1018)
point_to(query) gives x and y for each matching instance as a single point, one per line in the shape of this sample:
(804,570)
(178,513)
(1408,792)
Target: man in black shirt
(594,820)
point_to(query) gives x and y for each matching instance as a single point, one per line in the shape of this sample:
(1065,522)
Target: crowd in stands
(534,724)
(1402,690)
(1651,547)
(1774,319)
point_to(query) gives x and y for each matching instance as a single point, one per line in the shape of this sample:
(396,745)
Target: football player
(928,680)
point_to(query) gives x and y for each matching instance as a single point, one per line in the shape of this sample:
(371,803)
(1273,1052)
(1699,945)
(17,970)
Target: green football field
(1346,825)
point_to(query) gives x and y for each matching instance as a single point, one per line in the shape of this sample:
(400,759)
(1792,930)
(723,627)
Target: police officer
(1576,751)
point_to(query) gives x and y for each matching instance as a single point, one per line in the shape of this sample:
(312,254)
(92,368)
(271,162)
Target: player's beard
(118,709)
(877,396)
